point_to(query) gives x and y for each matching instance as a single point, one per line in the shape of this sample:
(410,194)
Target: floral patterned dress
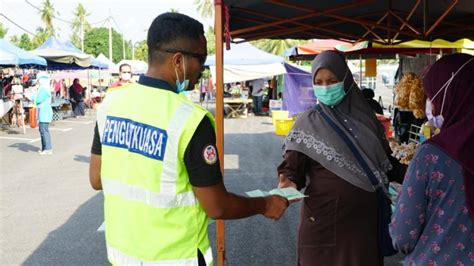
(431,223)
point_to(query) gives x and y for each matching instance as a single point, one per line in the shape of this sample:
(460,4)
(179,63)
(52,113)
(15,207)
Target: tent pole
(360,71)
(220,230)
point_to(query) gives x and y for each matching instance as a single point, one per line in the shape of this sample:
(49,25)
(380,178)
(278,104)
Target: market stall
(387,22)
(13,105)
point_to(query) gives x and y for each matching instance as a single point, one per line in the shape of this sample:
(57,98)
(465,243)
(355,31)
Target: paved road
(50,215)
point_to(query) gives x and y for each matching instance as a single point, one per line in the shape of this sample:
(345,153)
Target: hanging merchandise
(410,95)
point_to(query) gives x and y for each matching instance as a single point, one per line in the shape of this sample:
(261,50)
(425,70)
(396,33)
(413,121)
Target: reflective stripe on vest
(123,259)
(167,197)
(177,123)
(154,199)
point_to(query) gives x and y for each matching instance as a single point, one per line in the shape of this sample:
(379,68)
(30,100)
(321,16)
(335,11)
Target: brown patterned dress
(338,223)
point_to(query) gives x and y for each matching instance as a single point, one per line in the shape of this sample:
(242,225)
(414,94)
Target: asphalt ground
(50,215)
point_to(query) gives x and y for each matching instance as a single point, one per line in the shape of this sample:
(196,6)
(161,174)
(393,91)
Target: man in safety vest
(125,76)
(154,157)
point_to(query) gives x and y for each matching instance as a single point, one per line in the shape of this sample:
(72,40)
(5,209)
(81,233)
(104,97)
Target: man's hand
(275,206)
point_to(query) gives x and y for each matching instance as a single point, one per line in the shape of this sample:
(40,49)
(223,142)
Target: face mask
(437,121)
(330,95)
(182,86)
(126,76)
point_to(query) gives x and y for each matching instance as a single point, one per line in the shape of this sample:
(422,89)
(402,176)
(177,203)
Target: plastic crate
(283,126)
(279,115)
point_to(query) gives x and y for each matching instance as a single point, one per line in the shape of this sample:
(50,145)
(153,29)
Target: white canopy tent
(138,66)
(245,62)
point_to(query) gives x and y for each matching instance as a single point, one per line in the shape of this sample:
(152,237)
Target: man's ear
(176,61)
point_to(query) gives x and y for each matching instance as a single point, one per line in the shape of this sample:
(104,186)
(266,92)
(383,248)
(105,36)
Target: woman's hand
(284,182)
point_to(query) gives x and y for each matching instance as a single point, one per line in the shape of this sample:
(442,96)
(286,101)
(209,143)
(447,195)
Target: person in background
(154,155)
(57,85)
(258,87)
(338,222)
(203,91)
(42,100)
(369,97)
(433,221)
(125,76)
(76,96)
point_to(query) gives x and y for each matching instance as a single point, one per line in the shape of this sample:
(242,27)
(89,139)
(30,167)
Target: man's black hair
(173,30)
(124,65)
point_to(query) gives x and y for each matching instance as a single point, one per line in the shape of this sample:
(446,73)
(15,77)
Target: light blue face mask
(182,86)
(330,95)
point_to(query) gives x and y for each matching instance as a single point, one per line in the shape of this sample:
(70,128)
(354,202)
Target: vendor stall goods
(410,95)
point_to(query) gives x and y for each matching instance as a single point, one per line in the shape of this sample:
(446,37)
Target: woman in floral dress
(433,221)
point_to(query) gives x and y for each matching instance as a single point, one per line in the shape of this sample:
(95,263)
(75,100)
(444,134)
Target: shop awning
(379,20)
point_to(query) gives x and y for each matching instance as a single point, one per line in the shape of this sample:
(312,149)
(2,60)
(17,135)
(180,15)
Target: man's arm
(202,163)
(94,172)
(221,204)
(95,162)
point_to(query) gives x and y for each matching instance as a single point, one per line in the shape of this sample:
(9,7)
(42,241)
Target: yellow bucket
(279,115)
(283,126)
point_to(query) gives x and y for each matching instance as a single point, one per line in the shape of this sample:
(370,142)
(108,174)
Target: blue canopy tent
(13,55)
(246,62)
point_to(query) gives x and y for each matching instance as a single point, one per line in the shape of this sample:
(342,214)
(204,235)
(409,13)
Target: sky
(133,17)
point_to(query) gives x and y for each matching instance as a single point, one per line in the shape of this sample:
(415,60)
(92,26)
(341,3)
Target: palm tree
(41,36)
(3,31)
(47,14)
(79,24)
(211,40)
(205,8)
(277,47)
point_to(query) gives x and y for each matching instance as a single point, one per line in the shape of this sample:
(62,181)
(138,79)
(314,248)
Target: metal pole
(110,39)
(123,46)
(82,34)
(220,230)
(133,51)
(360,71)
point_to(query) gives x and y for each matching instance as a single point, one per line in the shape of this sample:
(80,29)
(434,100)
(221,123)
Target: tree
(24,42)
(205,8)
(141,51)
(47,14)
(174,10)
(211,40)
(41,36)
(277,47)
(3,31)
(96,41)
(79,23)
(15,40)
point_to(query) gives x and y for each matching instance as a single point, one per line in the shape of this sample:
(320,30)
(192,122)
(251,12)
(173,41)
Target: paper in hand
(289,192)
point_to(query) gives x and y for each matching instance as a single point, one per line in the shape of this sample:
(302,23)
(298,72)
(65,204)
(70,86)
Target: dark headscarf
(77,86)
(313,136)
(457,132)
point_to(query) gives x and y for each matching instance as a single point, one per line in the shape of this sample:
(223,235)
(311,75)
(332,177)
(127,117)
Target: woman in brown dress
(338,223)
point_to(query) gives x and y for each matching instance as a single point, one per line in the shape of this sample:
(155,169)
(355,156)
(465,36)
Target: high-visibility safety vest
(152,216)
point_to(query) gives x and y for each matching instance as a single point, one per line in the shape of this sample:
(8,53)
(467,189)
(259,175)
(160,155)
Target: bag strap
(375,182)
